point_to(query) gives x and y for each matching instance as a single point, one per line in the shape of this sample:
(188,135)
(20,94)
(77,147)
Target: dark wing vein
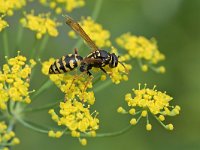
(92,60)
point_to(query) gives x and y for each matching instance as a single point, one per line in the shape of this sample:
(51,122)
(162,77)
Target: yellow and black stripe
(65,64)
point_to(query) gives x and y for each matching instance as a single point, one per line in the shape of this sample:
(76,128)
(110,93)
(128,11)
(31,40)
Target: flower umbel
(60,5)
(142,49)
(150,101)
(8,6)
(14,80)
(7,138)
(41,24)
(3,23)
(74,86)
(76,117)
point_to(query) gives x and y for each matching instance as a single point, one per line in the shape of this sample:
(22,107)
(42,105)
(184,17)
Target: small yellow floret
(83,142)
(3,24)
(51,133)
(148,127)
(144,68)
(161,117)
(121,110)
(58,134)
(103,77)
(170,127)
(133,121)
(132,111)
(144,113)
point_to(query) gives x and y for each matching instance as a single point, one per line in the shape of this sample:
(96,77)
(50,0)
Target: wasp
(97,58)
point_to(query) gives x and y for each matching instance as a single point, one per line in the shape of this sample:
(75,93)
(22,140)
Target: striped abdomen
(65,64)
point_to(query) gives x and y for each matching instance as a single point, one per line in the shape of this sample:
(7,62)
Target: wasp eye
(113,61)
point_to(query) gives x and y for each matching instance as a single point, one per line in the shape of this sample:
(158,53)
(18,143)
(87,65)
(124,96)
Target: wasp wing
(92,60)
(78,29)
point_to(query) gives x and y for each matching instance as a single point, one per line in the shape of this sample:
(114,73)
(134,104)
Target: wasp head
(113,61)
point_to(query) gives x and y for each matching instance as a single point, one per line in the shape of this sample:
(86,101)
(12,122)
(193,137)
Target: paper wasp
(97,58)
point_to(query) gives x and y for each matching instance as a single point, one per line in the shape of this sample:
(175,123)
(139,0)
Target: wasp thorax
(113,61)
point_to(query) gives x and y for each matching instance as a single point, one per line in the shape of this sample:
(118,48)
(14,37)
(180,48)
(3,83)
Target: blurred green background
(176,26)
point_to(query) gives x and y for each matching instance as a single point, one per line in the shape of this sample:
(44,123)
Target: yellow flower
(72,85)
(41,24)
(95,31)
(142,49)
(14,82)
(8,6)
(148,127)
(76,117)
(151,101)
(7,137)
(3,23)
(60,5)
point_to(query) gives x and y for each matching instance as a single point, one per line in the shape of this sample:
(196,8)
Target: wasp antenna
(126,70)
(69,19)
(65,16)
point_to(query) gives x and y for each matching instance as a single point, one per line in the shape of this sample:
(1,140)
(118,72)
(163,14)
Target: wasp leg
(89,67)
(86,68)
(103,70)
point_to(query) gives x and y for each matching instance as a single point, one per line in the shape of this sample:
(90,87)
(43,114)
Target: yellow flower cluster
(74,113)
(95,31)
(72,85)
(7,138)
(14,80)
(120,72)
(77,118)
(57,5)
(8,6)
(142,49)
(42,24)
(3,23)
(150,101)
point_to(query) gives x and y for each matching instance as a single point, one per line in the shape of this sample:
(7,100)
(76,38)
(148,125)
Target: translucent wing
(92,60)
(77,28)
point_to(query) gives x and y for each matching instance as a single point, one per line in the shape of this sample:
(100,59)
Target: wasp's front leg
(86,68)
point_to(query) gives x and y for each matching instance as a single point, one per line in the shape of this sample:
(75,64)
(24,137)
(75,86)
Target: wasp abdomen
(65,64)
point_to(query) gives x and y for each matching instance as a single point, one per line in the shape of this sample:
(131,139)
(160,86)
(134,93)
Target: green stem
(32,127)
(41,108)
(11,124)
(45,86)
(96,80)
(78,44)
(5,43)
(102,86)
(19,36)
(140,62)
(97,9)
(117,133)
(45,131)
(153,68)
(160,121)
(33,50)
(43,45)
